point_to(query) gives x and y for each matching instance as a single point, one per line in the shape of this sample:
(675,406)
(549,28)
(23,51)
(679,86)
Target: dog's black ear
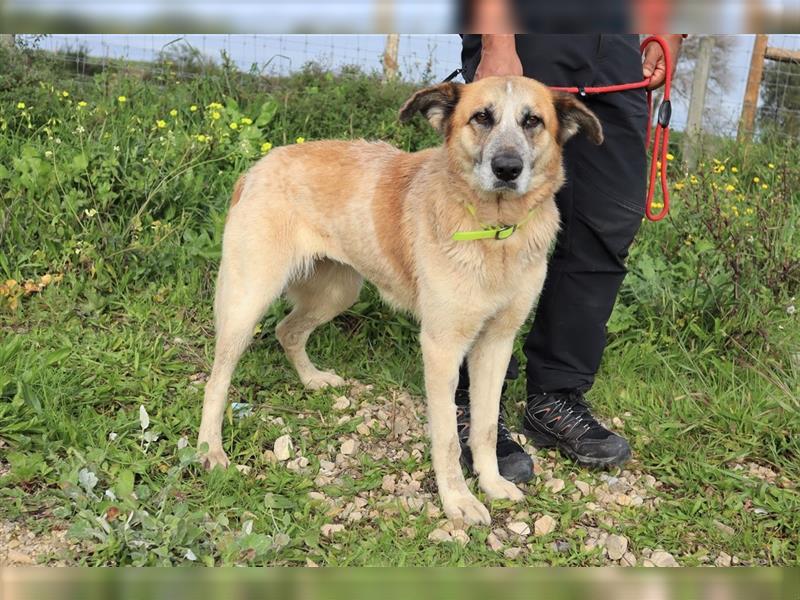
(573,116)
(436,104)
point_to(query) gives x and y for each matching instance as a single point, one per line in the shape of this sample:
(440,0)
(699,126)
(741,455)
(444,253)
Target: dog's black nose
(507,167)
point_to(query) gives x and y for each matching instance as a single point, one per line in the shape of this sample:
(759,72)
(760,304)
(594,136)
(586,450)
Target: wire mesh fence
(426,58)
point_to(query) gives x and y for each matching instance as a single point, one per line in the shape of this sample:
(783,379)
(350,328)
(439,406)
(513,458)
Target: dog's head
(504,134)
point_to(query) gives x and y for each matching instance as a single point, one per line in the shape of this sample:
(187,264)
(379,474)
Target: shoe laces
(568,415)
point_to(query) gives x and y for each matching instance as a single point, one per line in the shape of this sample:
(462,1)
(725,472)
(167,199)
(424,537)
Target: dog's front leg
(487,362)
(442,352)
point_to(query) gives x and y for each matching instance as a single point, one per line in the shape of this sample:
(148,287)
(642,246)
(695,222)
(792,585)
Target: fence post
(694,121)
(7,40)
(390,57)
(748,119)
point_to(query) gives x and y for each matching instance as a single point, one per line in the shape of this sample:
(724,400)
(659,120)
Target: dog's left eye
(531,121)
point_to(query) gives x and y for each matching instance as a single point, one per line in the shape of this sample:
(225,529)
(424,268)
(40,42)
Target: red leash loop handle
(661,137)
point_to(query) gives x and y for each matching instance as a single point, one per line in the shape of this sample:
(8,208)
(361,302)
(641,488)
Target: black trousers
(601,205)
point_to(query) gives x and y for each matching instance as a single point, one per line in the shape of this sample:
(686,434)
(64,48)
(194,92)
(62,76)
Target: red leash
(661,138)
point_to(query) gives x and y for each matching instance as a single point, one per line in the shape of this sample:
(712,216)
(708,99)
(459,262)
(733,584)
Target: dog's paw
(323,379)
(498,488)
(467,509)
(215,458)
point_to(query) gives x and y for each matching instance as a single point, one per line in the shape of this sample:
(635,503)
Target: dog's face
(504,134)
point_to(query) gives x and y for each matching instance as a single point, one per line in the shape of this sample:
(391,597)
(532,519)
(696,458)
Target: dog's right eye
(482,117)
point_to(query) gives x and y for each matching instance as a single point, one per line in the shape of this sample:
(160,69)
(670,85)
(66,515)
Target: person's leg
(601,207)
(598,224)
(566,342)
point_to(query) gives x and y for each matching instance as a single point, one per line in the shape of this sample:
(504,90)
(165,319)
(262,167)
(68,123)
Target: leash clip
(582,91)
(452,75)
(665,113)
(505,232)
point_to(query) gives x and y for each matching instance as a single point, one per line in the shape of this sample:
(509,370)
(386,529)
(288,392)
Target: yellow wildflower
(215,106)
(764,186)
(678,186)
(266,147)
(729,188)
(65,94)
(82,103)
(234,125)
(734,169)
(300,140)
(246,121)
(693,179)
(193,108)
(756,180)
(173,113)
(161,124)
(215,115)
(670,156)
(20,105)
(771,166)
(200,138)
(717,162)
(122,99)
(749,211)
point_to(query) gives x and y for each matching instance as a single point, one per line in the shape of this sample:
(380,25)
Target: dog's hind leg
(331,288)
(249,280)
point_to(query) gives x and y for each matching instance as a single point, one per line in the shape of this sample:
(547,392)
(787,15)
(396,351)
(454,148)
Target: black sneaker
(563,420)
(513,462)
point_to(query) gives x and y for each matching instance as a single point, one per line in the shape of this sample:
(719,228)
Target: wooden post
(748,119)
(697,102)
(390,57)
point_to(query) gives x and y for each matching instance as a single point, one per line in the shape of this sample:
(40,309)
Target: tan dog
(313,219)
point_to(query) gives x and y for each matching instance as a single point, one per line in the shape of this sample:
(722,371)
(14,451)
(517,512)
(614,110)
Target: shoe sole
(541,441)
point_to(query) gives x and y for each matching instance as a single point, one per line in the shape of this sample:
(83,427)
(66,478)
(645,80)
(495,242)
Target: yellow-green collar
(497,233)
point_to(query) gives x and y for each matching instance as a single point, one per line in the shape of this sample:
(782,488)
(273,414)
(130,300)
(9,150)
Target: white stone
(544,525)
(389,484)
(726,529)
(554,485)
(283,448)
(663,559)
(723,560)
(519,528)
(616,546)
(460,536)
(341,403)
(440,535)
(330,529)
(493,542)
(348,447)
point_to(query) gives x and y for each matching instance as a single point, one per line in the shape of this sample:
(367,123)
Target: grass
(109,237)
